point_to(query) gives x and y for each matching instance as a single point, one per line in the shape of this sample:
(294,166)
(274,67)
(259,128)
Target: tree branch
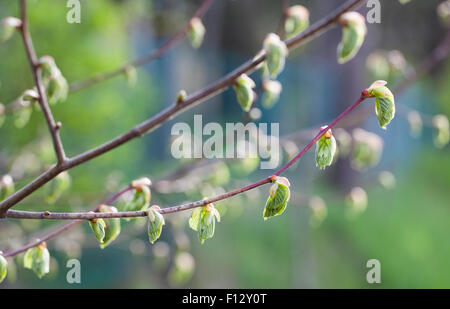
(36,69)
(196,98)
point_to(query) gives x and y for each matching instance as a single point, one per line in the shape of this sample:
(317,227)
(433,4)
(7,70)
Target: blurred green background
(405,227)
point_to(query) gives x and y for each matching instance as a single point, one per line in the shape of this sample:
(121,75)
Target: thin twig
(196,98)
(284,7)
(36,69)
(63,228)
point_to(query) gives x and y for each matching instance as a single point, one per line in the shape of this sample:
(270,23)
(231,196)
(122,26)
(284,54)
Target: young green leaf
(203,220)
(367,149)
(112,226)
(272,90)
(2,114)
(378,65)
(442,131)
(54,82)
(319,211)
(276,52)
(279,195)
(353,33)
(6,186)
(415,123)
(297,20)
(155,223)
(3,267)
(384,102)
(57,187)
(443,11)
(244,93)
(325,149)
(30,95)
(98,227)
(387,179)
(344,142)
(38,260)
(196,32)
(7,27)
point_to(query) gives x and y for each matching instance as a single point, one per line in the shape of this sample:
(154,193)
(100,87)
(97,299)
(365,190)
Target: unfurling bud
(297,20)
(276,52)
(279,195)
(443,11)
(112,226)
(3,267)
(356,202)
(30,95)
(367,149)
(7,27)
(378,65)
(131,75)
(244,93)
(182,95)
(57,187)
(98,227)
(55,83)
(142,195)
(155,223)
(57,89)
(353,33)
(2,114)
(344,142)
(272,90)
(23,114)
(442,131)
(325,149)
(384,102)
(38,260)
(203,220)
(6,186)
(319,211)
(196,32)
(415,123)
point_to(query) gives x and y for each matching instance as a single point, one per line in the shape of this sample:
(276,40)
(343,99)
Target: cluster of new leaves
(366,146)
